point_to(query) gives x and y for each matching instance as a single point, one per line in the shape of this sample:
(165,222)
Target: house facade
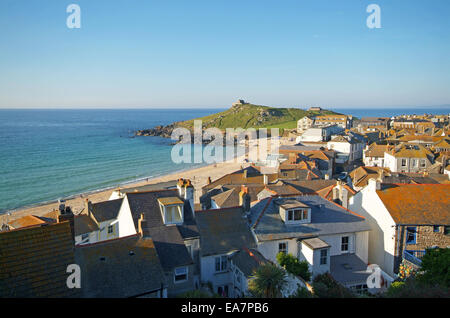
(315,230)
(403,231)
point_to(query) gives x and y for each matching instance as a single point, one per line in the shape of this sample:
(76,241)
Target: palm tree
(268,281)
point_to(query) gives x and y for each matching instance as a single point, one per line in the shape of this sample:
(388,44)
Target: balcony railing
(414,256)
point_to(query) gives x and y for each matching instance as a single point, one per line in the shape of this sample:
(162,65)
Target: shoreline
(198,176)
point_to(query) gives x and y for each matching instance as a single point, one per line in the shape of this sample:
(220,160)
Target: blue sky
(209,53)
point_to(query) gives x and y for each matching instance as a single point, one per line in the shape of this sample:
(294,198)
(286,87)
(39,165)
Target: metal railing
(414,256)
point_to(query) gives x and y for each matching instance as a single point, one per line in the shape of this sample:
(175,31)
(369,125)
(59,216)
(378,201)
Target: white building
(401,220)
(408,158)
(317,134)
(315,230)
(104,221)
(373,155)
(348,149)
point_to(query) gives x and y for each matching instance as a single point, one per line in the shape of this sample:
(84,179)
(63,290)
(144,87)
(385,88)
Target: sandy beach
(198,176)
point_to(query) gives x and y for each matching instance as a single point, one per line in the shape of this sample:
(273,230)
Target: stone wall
(426,237)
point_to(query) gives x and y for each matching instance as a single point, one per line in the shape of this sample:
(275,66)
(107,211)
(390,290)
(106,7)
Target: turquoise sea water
(49,154)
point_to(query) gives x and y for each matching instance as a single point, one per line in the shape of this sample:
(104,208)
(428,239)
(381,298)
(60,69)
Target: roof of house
(151,187)
(410,151)
(375,150)
(170,201)
(33,261)
(124,267)
(315,243)
(311,186)
(326,218)
(26,221)
(254,176)
(348,269)
(147,203)
(248,260)
(426,204)
(283,189)
(84,224)
(106,210)
(223,231)
(170,247)
(227,199)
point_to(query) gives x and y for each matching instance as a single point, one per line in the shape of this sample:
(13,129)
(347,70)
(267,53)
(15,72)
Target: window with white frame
(403,162)
(344,243)
(173,214)
(221,263)
(323,257)
(85,237)
(283,247)
(181,274)
(297,215)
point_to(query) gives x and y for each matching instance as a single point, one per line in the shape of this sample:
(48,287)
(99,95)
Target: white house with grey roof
(326,235)
(104,221)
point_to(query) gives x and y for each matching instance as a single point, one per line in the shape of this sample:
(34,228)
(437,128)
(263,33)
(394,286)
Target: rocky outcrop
(160,131)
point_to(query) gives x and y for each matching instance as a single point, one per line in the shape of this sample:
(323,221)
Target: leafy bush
(268,281)
(435,268)
(294,266)
(325,286)
(413,288)
(302,292)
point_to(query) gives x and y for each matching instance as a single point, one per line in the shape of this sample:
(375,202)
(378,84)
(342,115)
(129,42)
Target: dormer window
(297,214)
(294,212)
(172,210)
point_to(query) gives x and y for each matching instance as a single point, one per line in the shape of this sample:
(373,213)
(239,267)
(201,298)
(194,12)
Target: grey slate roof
(326,218)
(147,203)
(311,186)
(84,224)
(151,187)
(223,231)
(170,247)
(169,240)
(33,261)
(106,210)
(247,260)
(348,269)
(130,267)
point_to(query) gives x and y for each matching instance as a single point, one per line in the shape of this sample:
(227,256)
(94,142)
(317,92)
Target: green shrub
(302,292)
(435,269)
(413,288)
(294,266)
(325,286)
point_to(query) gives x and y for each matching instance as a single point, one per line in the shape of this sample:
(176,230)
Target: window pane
(217,264)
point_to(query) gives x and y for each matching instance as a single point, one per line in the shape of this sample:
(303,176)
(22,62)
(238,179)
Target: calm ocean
(48,154)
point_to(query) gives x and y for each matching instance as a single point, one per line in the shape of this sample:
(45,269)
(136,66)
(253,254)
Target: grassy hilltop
(254,116)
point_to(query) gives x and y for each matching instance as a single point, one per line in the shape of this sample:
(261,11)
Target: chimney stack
(66,215)
(244,199)
(141,224)
(189,194)
(88,206)
(180,187)
(209,180)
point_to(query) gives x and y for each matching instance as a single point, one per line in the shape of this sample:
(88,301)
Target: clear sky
(193,53)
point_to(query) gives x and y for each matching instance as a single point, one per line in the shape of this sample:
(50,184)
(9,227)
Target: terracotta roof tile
(426,204)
